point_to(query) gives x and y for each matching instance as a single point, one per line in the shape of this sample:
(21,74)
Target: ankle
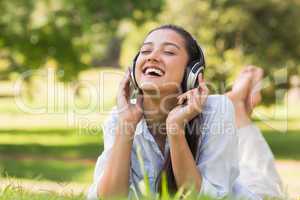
(242,117)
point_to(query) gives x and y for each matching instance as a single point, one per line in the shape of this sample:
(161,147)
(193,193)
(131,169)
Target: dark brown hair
(193,127)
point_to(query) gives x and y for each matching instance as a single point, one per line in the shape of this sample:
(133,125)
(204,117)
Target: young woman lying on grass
(203,141)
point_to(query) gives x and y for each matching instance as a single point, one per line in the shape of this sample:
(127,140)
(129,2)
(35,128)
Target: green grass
(49,137)
(52,170)
(56,155)
(80,151)
(65,155)
(69,154)
(13,193)
(18,193)
(54,151)
(284,145)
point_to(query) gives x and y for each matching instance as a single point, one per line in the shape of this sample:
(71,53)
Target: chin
(150,88)
(158,89)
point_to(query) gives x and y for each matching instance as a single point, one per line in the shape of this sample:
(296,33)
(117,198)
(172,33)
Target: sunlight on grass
(62,146)
(44,169)
(48,137)
(13,193)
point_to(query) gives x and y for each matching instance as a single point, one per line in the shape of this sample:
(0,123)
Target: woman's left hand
(189,105)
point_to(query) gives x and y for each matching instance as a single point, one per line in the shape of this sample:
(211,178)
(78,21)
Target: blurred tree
(72,33)
(234,33)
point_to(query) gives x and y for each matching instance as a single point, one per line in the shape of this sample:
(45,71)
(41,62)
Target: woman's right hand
(129,114)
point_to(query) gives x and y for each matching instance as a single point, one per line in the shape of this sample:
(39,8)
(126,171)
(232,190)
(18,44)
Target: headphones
(191,73)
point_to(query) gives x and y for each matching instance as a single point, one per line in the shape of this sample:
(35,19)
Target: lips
(153,71)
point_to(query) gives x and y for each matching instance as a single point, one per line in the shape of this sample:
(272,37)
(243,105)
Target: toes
(254,97)
(253,101)
(250,67)
(259,72)
(257,80)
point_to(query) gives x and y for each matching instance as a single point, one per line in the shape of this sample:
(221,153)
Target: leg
(256,161)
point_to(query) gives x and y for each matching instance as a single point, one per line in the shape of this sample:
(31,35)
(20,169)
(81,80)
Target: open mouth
(153,71)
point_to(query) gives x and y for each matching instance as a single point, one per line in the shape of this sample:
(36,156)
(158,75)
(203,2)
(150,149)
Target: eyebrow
(165,44)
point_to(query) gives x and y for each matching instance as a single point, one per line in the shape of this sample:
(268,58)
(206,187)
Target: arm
(186,172)
(111,178)
(115,179)
(216,169)
(108,170)
(190,104)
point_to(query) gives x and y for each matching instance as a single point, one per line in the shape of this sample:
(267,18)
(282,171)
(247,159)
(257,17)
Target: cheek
(176,71)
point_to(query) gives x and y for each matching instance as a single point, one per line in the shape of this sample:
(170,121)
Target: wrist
(174,129)
(176,138)
(126,129)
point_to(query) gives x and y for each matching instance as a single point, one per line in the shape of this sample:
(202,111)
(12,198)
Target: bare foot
(241,86)
(254,97)
(239,97)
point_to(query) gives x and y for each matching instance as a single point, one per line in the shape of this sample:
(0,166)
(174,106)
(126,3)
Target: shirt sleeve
(218,156)
(109,129)
(257,167)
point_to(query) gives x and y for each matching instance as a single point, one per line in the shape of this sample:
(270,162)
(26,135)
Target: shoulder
(218,114)
(110,123)
(219,105)
(214,102)
(112,118)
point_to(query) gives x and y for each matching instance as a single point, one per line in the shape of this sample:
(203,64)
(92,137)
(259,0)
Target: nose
(153,56)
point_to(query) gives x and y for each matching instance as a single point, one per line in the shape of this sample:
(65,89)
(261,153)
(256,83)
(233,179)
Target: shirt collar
(142,129)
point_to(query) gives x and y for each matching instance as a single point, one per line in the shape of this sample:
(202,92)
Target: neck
(156,110)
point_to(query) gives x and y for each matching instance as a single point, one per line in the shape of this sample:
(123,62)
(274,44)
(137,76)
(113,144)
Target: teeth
(155,70)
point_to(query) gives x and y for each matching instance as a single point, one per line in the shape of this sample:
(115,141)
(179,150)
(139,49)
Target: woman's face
(161,63)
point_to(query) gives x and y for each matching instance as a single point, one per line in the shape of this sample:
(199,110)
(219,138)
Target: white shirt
(217,160)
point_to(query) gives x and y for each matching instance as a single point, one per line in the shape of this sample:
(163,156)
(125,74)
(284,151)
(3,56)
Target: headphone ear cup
(185,86)
(132,73)
(132,78)
(195,68)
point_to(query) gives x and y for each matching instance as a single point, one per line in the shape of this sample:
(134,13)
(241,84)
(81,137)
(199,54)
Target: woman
(183,131)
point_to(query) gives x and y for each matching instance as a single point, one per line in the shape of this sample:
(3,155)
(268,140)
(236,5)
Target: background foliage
(77,35)
(86,39)
(74,34)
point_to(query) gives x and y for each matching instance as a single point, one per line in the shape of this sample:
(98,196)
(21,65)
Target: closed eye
(145,52)
(169,52)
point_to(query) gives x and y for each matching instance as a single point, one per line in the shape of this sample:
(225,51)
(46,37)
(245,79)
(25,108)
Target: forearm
(185,171)
(115,180)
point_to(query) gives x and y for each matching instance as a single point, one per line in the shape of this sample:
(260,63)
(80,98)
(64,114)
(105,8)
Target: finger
(197,102)
(125,80)
(200,97)
(202,88)
(181,98)
(123,93)
(196,97)
(200,78)
(139,101)
(184,94)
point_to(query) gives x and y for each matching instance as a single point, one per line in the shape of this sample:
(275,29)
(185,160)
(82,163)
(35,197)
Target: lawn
(13,193)
(50,148)
(62,154)
(48,154)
